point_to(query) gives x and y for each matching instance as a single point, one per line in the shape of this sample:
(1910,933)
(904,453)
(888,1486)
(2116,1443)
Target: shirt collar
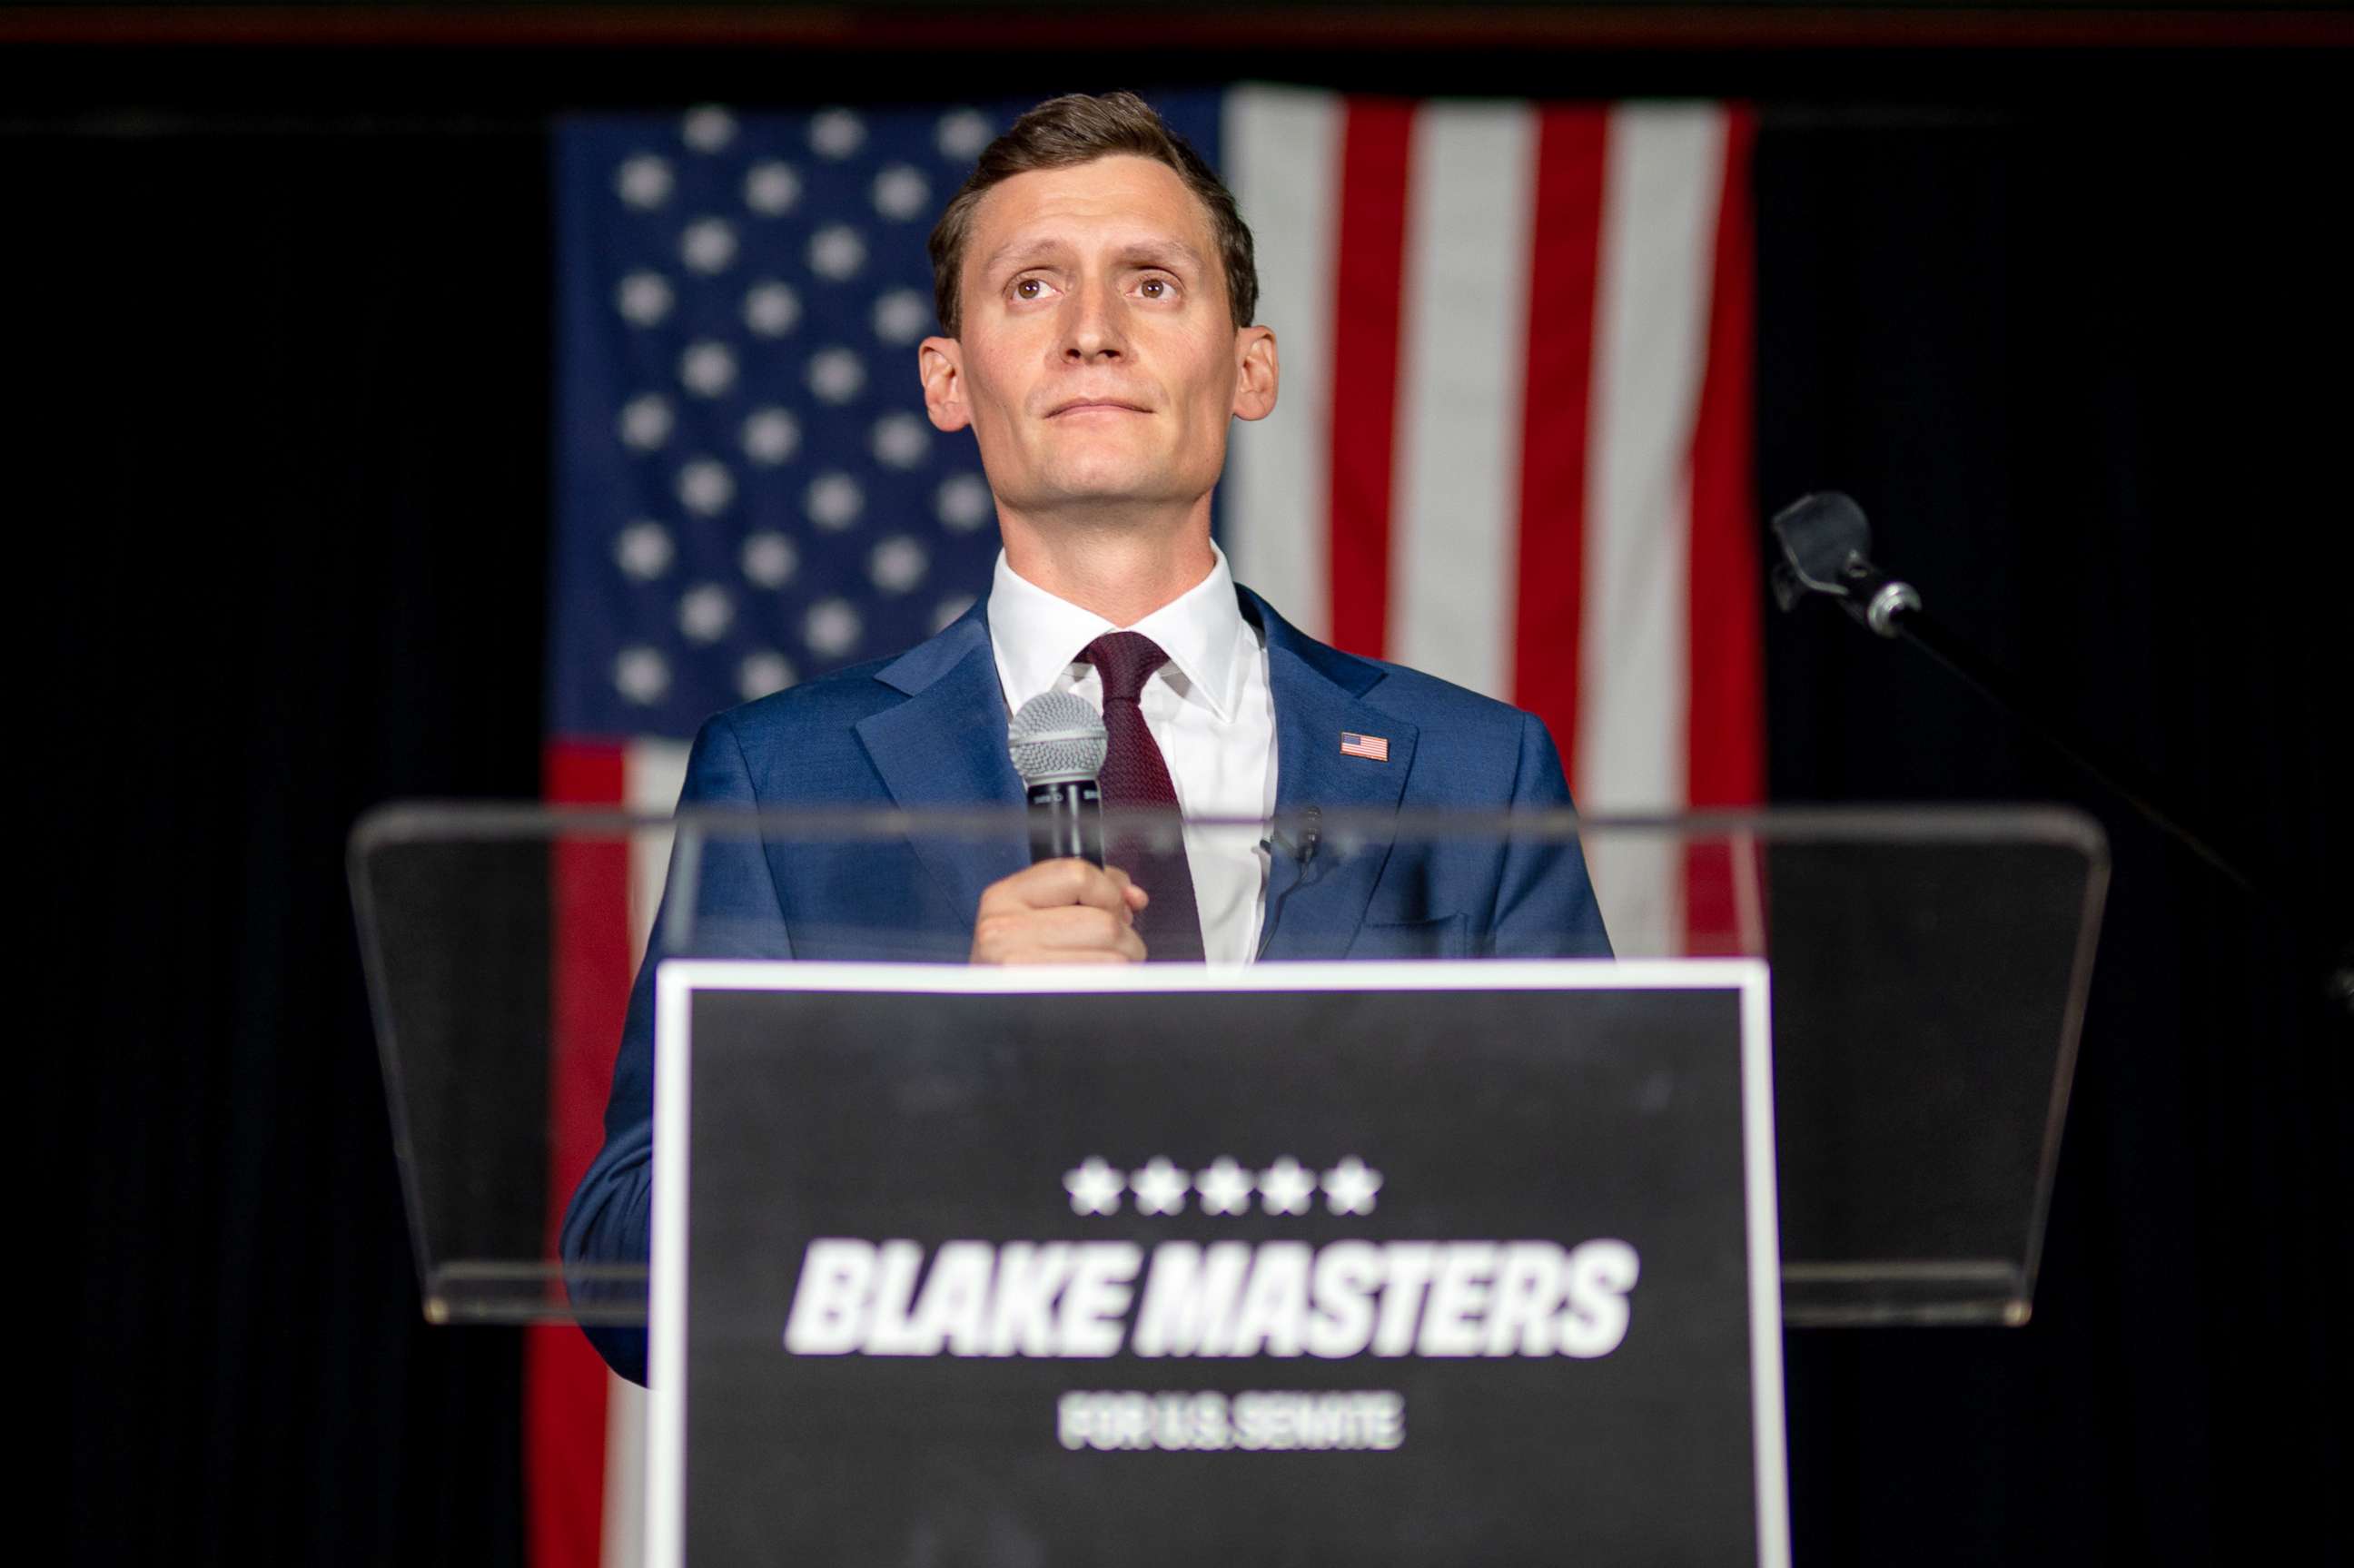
(1037,636)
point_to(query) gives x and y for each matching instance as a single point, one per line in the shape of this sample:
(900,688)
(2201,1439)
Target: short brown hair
(1079,128)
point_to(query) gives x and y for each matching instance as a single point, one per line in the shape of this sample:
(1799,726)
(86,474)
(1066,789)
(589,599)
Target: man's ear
(940,362)
(1257,373)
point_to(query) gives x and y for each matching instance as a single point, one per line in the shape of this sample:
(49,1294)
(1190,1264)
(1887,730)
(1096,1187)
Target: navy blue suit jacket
(927,730)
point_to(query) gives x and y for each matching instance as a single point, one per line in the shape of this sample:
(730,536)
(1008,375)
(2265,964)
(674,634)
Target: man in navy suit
(1096,289)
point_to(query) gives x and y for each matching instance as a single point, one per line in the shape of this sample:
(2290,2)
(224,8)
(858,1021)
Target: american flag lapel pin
(1372,748)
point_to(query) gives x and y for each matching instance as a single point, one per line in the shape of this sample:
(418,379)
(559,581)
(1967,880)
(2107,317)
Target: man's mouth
(1094,405)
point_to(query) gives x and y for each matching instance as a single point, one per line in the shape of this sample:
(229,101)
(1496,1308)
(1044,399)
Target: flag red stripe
(1369,276)
(564,1381)
(1725,746)
(1565,259)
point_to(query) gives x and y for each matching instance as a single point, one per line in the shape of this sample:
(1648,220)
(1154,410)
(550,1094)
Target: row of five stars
(1226,1187)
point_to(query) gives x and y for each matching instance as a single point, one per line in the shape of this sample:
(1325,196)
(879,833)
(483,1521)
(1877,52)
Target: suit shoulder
(1420,699)
(806,713)
(1430,701)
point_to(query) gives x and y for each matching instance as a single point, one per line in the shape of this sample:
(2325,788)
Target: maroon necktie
(1136,776)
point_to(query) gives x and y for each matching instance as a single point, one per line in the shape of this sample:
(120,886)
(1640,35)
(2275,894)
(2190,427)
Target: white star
(641,674)
(705,488)
(708,369)
(901,441)
(1225,1188)
(902,315)
(836,251)
(896,565)
(646,421)
(1160,1187)
(769,559)
(1094,1188)
(834,501)
(832,627)
(707,128)
(708,245)
(836,375)
(704,613)
(963,132)
(771,188)
(772,309)
(763,672)
(1285,1187)
(1350,1186)
(771,436)
(645,298)
(644,550)
(901,192)
(963,503)
(643,181)
(837,132)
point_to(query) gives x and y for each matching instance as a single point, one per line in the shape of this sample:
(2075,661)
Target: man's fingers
(1060,911)
(1055,883)
(1050,936)
(1083,925)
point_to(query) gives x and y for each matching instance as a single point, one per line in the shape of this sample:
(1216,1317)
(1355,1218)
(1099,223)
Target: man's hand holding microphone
(1067,907)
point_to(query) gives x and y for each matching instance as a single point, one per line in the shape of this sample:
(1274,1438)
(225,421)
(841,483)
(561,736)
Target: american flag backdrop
(1511,448)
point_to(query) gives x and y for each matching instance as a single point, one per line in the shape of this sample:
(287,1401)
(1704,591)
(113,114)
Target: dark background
(2069,315)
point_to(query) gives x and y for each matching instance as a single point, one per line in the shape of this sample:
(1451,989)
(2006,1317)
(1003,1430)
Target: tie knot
(1125,660)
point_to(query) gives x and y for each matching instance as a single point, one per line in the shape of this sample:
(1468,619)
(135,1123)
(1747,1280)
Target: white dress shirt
(1209,710)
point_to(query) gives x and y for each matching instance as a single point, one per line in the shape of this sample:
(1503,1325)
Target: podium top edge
(413,821)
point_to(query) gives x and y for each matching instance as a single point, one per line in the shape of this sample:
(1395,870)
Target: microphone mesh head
(1056,737)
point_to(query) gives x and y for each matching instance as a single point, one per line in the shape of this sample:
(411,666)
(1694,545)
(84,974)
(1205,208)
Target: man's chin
(1107,485)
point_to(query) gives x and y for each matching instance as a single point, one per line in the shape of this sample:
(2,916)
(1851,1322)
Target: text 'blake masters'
(1232,1298)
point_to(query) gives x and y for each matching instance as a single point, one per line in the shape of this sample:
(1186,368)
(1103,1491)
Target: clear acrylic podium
(1928,970)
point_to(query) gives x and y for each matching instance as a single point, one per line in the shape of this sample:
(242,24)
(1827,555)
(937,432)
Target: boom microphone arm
(1826,544)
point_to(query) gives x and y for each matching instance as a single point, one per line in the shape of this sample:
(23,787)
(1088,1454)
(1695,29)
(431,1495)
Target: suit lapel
(1314,911)
(944,748)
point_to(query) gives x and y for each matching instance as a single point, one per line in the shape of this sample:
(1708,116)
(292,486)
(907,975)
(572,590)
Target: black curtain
(298,570)
(2084,369)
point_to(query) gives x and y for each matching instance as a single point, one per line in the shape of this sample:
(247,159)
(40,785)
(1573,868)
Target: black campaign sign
(1297,1275)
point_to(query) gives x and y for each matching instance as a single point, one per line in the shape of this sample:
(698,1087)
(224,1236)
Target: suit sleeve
(1544,899)
(736,913)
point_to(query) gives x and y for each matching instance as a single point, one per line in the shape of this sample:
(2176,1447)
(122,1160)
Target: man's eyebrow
(1033,248)
(1025,245)
(1151,250)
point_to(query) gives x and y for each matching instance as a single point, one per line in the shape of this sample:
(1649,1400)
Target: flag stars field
(745,292)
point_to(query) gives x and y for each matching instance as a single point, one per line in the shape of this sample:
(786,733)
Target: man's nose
(1093,329)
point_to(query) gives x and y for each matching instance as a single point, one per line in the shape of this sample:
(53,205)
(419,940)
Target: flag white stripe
(1662,181)
(623,1536)
(1283,162)
(1463,368)
(653,770)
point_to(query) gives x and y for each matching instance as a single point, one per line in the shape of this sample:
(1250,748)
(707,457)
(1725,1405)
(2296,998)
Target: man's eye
(1029,288)
(1155,288)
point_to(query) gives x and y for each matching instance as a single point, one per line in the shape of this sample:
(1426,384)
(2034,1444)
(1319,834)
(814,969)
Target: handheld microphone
(1059,744)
